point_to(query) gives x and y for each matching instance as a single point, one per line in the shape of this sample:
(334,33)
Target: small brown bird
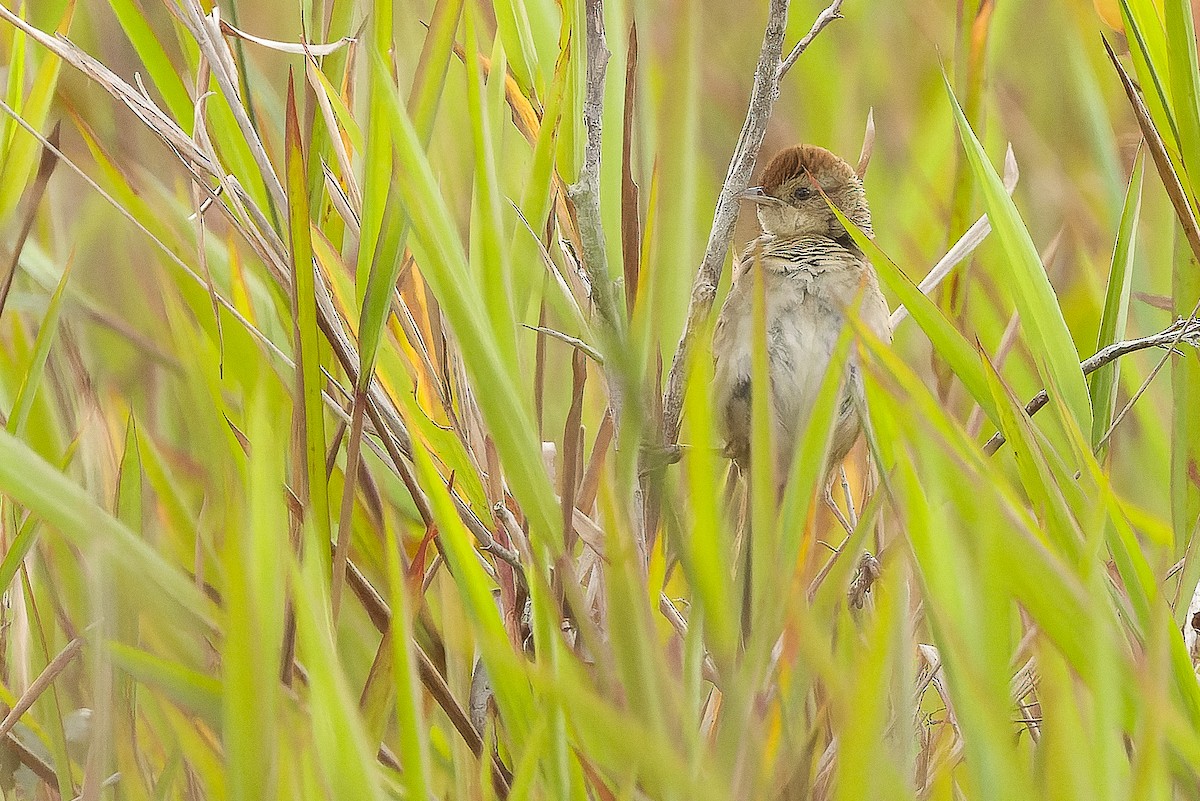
(813,273)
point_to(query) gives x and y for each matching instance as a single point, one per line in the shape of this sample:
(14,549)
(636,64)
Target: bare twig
(1158,153)
(40,684)
(574,342)
(832,12)
(741,166)
(1186,330)
(585,192)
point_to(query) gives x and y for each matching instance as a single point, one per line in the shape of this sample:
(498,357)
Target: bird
(814,275)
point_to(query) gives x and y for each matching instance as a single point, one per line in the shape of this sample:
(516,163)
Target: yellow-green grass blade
(149,47)
(865,702)
(512,22)
(624,745)
(235,153)
(505,669)
(571,39)
(1148,49)
(410,718)
(1185,392)
(1116,309)
(32,380)
(707,542)
(195,692)
(32,482)
(957,611)
(309,407)
(341,112)
(346,758)
(254,587)
(385,222)
(536,203)
(1050,340)
(1046,495)
(14,90)
(949,343)
(631,628)
(488,253)
(1185,81)
(1016,542)
(1185,373)
(444,264)
(24,151)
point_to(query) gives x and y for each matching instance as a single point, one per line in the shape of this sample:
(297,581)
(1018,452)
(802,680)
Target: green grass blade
(512,22)
(1185,79)
(949,343)
(346,758)
(1116,308)
(24,151)
(410,719)
(445,268)
(163,73)
(309,406)
(1049,338)
(32,380)
(35,484)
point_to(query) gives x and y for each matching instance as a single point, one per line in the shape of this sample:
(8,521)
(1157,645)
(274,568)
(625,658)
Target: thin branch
(832,12)
(585,192)
(1185,330)
(41,684)
(741,166)
(574,342)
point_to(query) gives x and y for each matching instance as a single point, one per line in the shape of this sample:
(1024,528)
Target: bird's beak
(755,194)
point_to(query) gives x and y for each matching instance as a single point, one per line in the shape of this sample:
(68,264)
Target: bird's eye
(802,193)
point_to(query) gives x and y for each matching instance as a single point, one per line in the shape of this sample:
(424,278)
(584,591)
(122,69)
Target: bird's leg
(747,535)
(851,512)
(832,504)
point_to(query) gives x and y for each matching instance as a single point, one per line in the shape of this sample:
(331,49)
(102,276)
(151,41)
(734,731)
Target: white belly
(805,315)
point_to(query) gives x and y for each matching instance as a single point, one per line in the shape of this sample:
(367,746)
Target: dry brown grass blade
(590,485)
(572,447)
(33,199)
(56,666)
(631,235)
(136,101)
(1158,151)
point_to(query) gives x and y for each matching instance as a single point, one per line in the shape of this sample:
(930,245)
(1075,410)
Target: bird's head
(789,203)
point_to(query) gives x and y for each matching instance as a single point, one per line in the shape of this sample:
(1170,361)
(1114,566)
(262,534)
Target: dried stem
(1186,330)
(585,192)
(832,12)
(741,166)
